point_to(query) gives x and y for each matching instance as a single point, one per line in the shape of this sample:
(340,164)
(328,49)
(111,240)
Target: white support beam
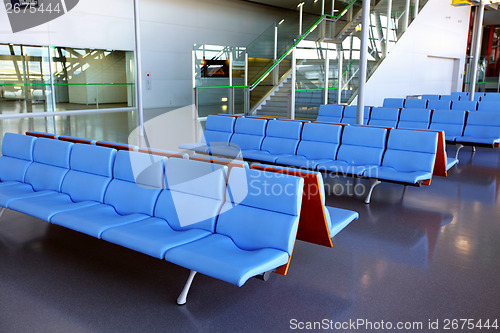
(138,71)
(327,74)
(477,49)
(363,62)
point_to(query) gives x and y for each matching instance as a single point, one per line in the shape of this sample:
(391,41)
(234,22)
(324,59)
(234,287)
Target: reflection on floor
(430,253)
(14,106)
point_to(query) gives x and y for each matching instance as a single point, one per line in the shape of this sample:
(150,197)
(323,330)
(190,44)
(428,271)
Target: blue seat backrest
(91,170)
(261,218)
(415,103)
(249,133)
(489,106)
(459,94)
(393,102)
(350,113)
(451,122)
(483,125)
(320,141)
(464,105)
(415,118)
(138,180)
(330,113)
(491,97)
(362,145)
(409,151)
(17,155)
(282,137)
(387,117)
(430,97)
(449,98)
(439,105)
(193,194)
(219,129)
(50,164)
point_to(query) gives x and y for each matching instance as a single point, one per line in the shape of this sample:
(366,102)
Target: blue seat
(248,135)
(491,97)
(218,131)
(414,118)
(439,105)
(330,113)
(489,106)
(430,97)
(385,117)
(350,113)
(482,128)
(17,156)
(282,139)
(415,103)
(464,105)
(130,196)
(45,175)
(361,150)
(83,186)
(255,236)
(449,98)
(452,123)
(319,144)
(459,95)
(186,209)
(409,158)
(393,102)
(336,218)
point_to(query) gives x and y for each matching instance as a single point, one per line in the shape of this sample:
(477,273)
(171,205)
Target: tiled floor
(430,253)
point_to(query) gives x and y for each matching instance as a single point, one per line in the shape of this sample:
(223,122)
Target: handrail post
(407,16)
(388,28)
(327,74)
(276,72)
(247,89)
(231,90)
(363,62)
(477,49)
(138,70)
(293,83)
(416,9)
(301,5)
(339,75)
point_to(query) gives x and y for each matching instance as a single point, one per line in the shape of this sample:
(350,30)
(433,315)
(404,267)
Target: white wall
(169,28)
(424,60)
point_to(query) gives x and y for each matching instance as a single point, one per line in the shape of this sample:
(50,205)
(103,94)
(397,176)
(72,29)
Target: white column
(477,49)
(301,5)
(363,61)
(416,8)
(138,71)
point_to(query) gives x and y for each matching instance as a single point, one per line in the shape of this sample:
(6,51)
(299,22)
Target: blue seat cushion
(340,218)
(46,206)
(260,155)
(344,168)
(217,256)
(410,177)
(8,193)
(152,236)
(95,220)
(301,161)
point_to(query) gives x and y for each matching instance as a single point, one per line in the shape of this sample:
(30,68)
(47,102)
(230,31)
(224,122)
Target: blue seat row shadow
(460,126)
(219,222)
(402,156)
(444,104)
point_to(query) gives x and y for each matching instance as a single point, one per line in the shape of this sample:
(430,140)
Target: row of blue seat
(402,156)
(471,128)
(187,212)
(462,105)
(463,96)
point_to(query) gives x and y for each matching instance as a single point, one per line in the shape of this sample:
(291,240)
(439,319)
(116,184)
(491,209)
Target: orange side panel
(40,135)
(313,227)
(109,145)
(83,141)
